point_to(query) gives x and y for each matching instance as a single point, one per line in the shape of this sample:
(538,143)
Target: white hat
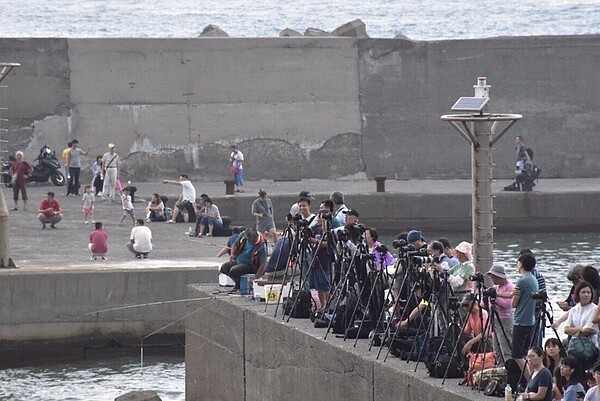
(111,145)
(464,247)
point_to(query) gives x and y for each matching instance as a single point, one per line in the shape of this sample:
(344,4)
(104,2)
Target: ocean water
(419,20)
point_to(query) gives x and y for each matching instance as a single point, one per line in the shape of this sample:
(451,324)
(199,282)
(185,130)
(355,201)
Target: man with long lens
(500,297)
(441,288)
(416,239)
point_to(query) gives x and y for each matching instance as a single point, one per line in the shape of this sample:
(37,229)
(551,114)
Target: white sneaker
(87,222)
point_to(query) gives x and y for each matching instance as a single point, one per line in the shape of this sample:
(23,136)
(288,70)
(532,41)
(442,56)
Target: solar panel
(470,103)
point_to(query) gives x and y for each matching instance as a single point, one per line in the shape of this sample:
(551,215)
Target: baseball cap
(414,235)
(351,212)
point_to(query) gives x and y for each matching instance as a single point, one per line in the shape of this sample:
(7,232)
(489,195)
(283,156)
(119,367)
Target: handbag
(582,348)
(234,170)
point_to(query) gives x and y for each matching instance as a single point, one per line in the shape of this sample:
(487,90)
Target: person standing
(74,164)
(503,327)
(49,211)
(65,158)
(237,167)
(98,178)
(262,209)
(20,170)
(127,206)
(140,240)
(110,162)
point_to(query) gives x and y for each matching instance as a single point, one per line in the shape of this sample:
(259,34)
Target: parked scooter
(46,166)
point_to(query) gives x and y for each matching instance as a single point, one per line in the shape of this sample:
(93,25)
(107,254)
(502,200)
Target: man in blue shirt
(524,318)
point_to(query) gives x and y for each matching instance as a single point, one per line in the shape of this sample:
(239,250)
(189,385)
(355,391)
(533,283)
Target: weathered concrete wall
(53,307)
(303,107)
(263,358)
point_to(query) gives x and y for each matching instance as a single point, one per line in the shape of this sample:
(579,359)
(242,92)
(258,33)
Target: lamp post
(5,260)
(481,130)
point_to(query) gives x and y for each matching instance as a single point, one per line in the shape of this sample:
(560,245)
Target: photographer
(322,259)
(441,269)
(416,239)
(326,211)
(524,304)
(459,275)
(375,247)
(502,297)
(476,321)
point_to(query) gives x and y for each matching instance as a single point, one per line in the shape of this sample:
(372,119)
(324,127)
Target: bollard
(380,183)
(229,187)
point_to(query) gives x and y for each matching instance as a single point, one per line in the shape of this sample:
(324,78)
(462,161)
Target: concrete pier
(236,351)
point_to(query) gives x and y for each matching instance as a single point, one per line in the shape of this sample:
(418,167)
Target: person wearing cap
(295,209)
(237,168)
(339,207)
(503,299)
(459,275)
(74,165)
(416,239)
(262,209)
(351,216)
(110,163)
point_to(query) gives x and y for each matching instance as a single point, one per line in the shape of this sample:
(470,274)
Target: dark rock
(400,36)
(147,395)
(353,29)
(316,32)
(287,32)
(213,31)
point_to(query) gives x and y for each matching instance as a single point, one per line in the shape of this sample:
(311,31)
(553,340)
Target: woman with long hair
(570,371)
(580,320)
(554,352)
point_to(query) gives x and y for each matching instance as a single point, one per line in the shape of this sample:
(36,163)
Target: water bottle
(508,393)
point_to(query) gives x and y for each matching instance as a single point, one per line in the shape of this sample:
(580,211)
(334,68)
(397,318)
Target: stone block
(213,31)
(316,32)
(139,396)
(287,32)
(354,29)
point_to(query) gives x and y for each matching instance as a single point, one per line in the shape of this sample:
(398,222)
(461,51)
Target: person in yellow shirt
(65,158)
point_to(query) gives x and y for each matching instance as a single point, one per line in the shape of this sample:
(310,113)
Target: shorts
(127,212)
(183,205)
(88,210)
(521,339)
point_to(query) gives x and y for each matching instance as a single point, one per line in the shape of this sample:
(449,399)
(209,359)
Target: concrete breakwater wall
(236,351)
(302,107)
(49,311)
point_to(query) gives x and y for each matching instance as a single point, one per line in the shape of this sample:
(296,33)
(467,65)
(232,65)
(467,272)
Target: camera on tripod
(477,277)
(489,292)
(325,215)
(293,217)
(351,232)
(453,303)
(540,295)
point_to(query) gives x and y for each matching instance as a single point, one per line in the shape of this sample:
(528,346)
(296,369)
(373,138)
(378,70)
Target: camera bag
(303,307)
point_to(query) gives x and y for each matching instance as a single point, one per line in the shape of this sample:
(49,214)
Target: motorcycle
(46,166)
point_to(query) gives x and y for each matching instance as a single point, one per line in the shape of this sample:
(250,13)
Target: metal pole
(478,129)
(5,260)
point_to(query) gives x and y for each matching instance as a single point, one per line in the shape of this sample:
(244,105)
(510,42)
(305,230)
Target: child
(98,242)
(87,200)
(127,206)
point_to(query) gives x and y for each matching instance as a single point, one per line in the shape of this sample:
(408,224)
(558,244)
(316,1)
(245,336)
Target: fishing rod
(149,304)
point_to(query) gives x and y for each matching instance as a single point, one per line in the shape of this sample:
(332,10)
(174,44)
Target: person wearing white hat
(459,276)
(110,163)
(503,300)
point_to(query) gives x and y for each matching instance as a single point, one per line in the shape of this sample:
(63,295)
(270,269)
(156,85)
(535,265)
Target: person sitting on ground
(279,259)
(539,388)
(593,394)
(209,218)
(156,209)
(553,353)
(49,211)
(187,197)
(248,255)
(127,206)
(570,371)
(476,321)
(140,240)
(523,172)
(98,245)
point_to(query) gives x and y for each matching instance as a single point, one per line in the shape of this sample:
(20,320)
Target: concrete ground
(66,247)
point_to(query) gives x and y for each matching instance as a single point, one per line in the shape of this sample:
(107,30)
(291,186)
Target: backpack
(438,359)
(303,307)
(529,152)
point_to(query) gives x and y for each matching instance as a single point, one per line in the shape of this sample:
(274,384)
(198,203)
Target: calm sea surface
(103,380)
(419,20)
